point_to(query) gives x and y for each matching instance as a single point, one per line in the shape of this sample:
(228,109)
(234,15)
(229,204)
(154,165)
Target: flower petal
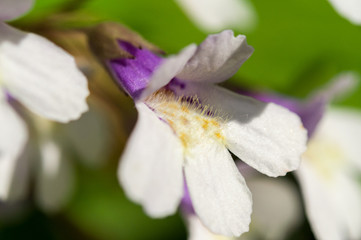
(343,127)
(311,111)
(267,137)
(133,74)
(277,210)
(218,191)
(41,76)
(167,70)
(92,146)
(217,58)
(332,205)
(10,9)
(197,231)
(349,9)
(55,178)
(216,15)
(12,141)
(150,170)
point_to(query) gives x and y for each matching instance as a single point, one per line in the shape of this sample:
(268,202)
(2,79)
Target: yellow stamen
(189,118)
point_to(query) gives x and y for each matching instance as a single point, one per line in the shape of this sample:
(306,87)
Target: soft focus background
(299,47)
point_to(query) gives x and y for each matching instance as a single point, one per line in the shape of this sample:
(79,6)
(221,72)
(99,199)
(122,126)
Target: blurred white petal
(343,127)
(91,136)
(276,208)
(41,76)
(13,137)
(10,9)
(55,178)
(22,173)
(218,191)
(349,9)
(217,58)
(332,205)
(216,15)
(341,85)
(329,176)
(150,170)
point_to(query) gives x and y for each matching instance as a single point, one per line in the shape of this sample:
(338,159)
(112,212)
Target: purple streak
(134,74)
(186,202)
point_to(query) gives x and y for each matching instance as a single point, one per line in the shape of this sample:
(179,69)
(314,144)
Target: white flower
(329,176)
(186,125)
(216,15)
(349,9)
(38,74)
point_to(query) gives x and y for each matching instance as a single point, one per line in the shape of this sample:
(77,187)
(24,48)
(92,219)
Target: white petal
(41,76)
(219,193)
(21,180)
(150,170)
(197,231)
(332,205)
(267,137)
(349,9)
(10,9)
(93,145)
(216,15)
(339,86)
(328,177)
(12,141)
(343,128)
(167,70)
(55,178)
(217,58)
(277,209)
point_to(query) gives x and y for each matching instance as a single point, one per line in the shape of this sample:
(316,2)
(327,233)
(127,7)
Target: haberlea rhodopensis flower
(39,75)
(186,125)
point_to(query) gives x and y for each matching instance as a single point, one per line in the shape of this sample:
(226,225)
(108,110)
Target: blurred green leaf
(101,209)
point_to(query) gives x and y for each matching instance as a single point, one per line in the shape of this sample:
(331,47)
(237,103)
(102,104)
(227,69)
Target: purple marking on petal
(9,97)
(310,111)
(175,85)
(289,103)
(175,82)
(163,120)
(134,74)
(186,202)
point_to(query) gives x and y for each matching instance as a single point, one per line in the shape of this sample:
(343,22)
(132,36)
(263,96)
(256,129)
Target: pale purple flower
(187,125)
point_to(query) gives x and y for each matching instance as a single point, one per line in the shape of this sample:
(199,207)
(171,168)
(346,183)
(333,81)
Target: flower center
(190,120)
(325,155)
